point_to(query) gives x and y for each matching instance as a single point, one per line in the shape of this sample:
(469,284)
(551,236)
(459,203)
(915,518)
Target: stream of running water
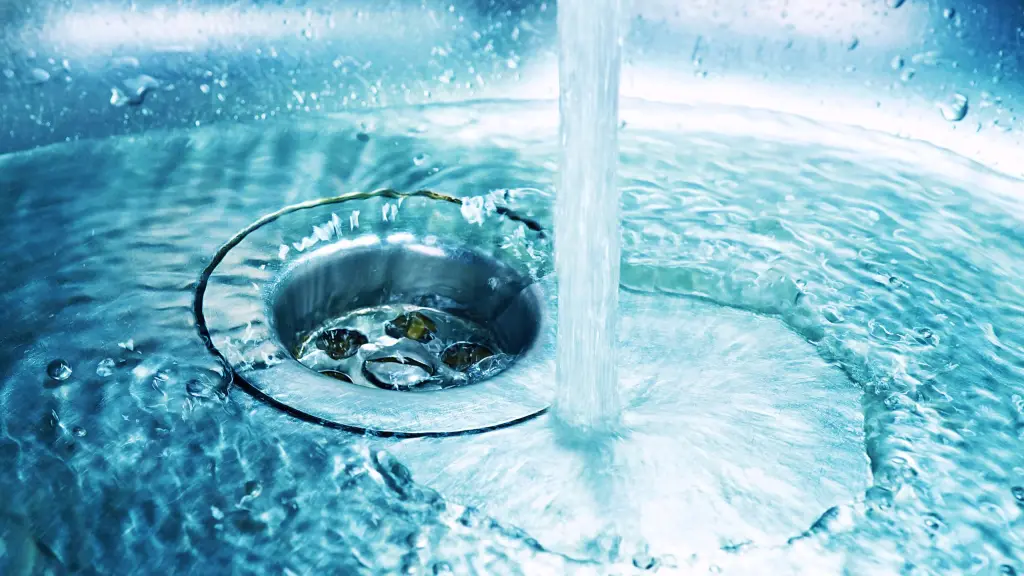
(587,240)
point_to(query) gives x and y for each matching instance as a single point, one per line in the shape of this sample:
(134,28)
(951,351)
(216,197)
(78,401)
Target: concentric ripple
(896,264)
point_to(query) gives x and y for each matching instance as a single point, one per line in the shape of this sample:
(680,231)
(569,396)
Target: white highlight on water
(587,214)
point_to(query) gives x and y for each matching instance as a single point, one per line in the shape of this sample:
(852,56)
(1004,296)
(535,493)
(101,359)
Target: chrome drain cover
(430,326)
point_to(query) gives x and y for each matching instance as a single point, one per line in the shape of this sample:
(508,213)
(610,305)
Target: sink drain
(419,329)
(405,316)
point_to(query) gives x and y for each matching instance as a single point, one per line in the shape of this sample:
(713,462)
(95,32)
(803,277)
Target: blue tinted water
(888,262)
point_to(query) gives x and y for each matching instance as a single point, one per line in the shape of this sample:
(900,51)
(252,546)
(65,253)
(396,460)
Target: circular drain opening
(424,326)
(405,316)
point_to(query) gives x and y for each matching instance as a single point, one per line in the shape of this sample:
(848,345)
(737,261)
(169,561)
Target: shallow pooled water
(853,300)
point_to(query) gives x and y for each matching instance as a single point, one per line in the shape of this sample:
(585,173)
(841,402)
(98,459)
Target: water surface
(887,262)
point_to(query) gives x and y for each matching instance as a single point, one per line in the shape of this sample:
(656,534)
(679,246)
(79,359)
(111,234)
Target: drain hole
(405,317)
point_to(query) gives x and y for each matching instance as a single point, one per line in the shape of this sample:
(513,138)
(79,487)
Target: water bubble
(949,13)
(897,63)
(643,559)
(832,315)
(78,431)
(1007,570)
(896,3)
(1018,494)
(924,336)
(118,98)
(39,75)
(135,90)
(933,522)
(907,75)
(204,88)
(105,368)
(442,568)
(955,108)
(128,345)
(420,159)
(58,370)
(363,137)
(8,73)
(852,43)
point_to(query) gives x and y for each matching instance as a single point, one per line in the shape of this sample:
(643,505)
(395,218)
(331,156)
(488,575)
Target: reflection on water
(904,279)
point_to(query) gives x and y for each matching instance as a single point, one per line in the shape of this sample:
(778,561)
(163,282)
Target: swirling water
(891,264)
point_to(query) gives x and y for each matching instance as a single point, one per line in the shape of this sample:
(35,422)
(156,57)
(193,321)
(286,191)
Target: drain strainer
(418,324)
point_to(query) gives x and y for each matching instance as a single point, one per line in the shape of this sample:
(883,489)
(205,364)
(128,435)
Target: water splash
(587,213)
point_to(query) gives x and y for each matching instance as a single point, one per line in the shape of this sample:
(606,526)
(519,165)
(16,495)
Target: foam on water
(587,213)
(808,271)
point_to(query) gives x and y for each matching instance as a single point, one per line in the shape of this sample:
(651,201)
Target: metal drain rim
(494,403)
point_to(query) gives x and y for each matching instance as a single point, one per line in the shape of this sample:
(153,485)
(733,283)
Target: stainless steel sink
(891,65)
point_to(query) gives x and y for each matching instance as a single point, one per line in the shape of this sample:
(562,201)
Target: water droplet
(204,88)
(105,368)
(363,137)
(8,73)
(39,75)
(58,370)
(128,345)
(78,431)
(420,159)
(118,98)
(933,522)
(442,568)
(896,3)
(852,43)
(1018,494)
(907,75)
(253,488)
(141,83)
(949,13)
(954,109)
(897,63)
(832,315)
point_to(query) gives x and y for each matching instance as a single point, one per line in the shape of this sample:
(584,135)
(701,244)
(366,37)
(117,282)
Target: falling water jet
(587,244)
